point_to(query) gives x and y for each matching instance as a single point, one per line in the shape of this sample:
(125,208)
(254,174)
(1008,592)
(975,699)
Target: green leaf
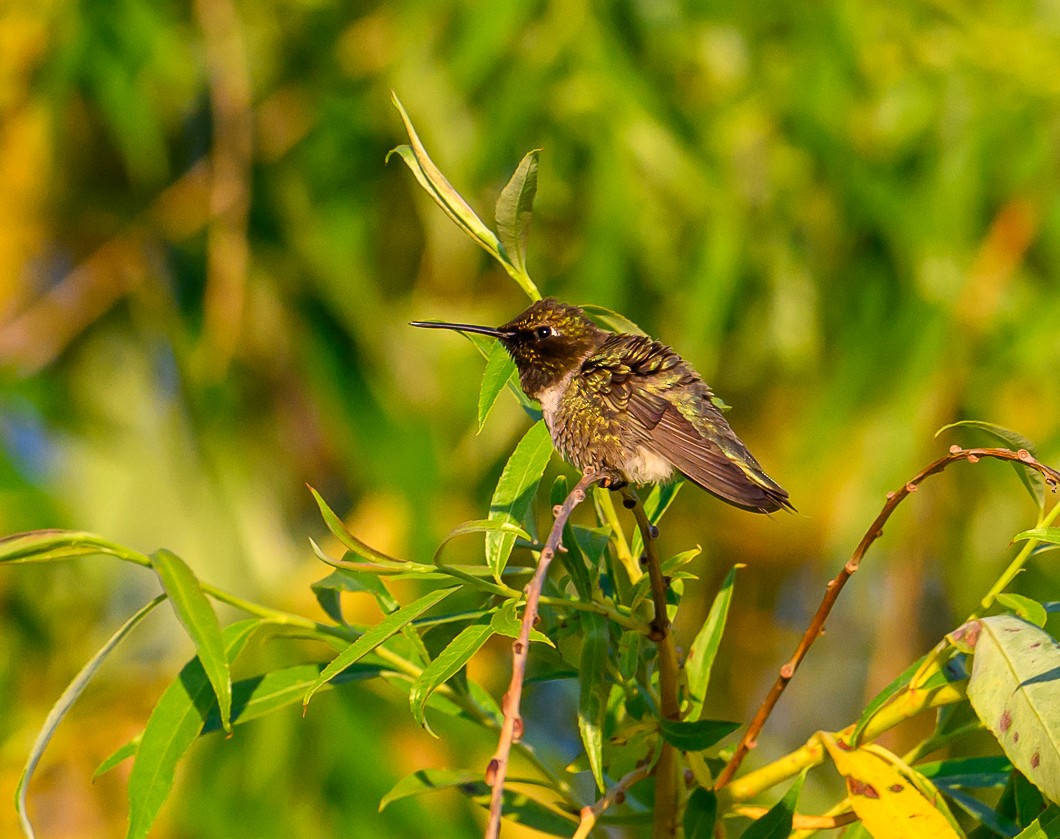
(515,492)
(655,506)
(445,666)
(197,616)
(428,780)
(1046,826)
(63,705)
(1040,534)
(375,636)
(514,208)
(982,813)
(327,591)
(260,695)
(1030,610)
(776,824)
(1031,478)
(1013,688)
(349,541)
(592,699)
(499,371)
(506,621)
(705,645)
(52,545)
(485,346)
(700,814)
(117,757)
(174,724)
(973,772)
(438,187)
(481,526)
(611,320)
(698,735)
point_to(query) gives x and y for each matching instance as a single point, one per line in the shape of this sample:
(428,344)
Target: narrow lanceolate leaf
(700,814)
(704,647)
(328,589)
(428,780)
(172,727)
(52,545)
(1013,688)
(592,700)
(891,803)
(1040,534)
(375,636)
(445,666)
(1046,826)
(515,491)
(1030,610)
(1031,478)
(197,616)
(698,735)
(349,541)
(499,371)
(506,621)
(117,757)
(899,683)
(480,526)
(776,823)
(485,346)
(514,208)
(64,703)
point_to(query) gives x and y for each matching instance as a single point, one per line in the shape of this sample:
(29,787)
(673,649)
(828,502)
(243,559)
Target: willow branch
(666,786)
(512,727)
(816,627)
(615,795)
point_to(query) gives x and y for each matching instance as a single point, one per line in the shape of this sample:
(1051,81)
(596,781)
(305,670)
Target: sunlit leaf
(175,722)
(505,621)
(515,492)
(592,698)
(500,368)
(327,591)
(1046,826)
(117,757)
(63,705)
(349,541)
(481,526)
(428,780)
(446,665)
(51,545)
(514,208)
(704,649)
(1030,610)
(197,616)
(1040,534)
(888,799)
(375,636)
(1013,687)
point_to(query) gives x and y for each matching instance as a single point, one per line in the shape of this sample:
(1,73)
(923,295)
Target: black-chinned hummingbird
(627,407)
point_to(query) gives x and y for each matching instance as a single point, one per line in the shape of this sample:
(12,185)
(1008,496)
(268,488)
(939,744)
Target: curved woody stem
(512,727)
(816,627)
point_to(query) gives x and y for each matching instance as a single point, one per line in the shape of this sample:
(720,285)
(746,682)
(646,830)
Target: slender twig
(800,821)
(614,795)
(512,727)
(816,627)
(666,786)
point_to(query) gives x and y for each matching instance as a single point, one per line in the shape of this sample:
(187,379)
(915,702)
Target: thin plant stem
(512,727)
(816,626)
(666,785)
(614,795)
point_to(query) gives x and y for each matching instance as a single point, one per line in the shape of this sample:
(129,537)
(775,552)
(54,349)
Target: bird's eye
(543,332)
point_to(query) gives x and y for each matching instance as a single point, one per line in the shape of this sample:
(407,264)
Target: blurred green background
(846,215)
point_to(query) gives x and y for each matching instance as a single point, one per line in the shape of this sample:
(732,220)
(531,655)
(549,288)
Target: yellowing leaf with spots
(891,800)
(1014,688)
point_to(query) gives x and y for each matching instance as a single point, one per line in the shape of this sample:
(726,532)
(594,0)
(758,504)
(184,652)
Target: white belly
(646,467)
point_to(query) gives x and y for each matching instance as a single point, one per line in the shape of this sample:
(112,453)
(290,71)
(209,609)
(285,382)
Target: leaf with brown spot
(892,800)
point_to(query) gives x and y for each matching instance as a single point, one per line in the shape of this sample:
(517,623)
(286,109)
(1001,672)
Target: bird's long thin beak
(461,327)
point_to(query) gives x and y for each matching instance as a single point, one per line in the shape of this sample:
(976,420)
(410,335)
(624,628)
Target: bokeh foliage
(846,216)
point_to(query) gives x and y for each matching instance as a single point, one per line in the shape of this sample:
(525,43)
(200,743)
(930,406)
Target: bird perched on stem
(627,406)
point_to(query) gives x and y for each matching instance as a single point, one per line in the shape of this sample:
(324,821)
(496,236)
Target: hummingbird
(627,407)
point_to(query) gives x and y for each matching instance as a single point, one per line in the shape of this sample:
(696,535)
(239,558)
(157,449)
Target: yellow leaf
(889,798)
